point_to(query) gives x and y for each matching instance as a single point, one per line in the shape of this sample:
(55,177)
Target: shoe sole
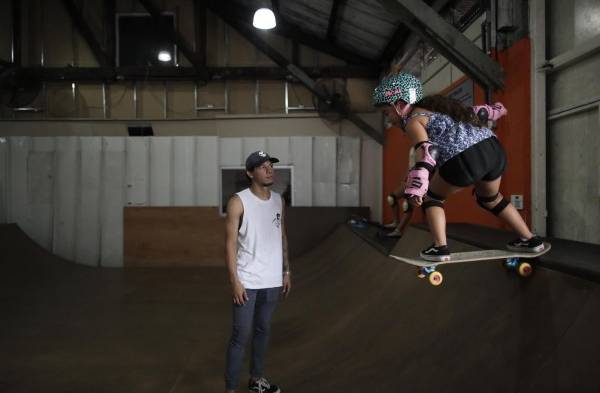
(533,250)
(436,258)
(253,391)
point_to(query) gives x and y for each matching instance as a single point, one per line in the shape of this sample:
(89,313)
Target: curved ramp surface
(356,321)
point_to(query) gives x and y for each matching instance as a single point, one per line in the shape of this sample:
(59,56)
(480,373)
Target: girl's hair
(451,107)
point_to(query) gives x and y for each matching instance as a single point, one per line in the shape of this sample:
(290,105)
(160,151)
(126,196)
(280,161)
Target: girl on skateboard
(454,150)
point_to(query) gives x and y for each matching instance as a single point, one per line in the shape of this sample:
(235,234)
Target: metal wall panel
(4,189)
(17,201)
(138,171)
(112,201)
(230,152)
(184,149)
(77,187)
(302,159)
(371,177)
(347,194)
(250,145)
(161,166)
(324,171)
(570,24)
(573,127)
(280,147)
(40,190)
(207,171)
(574,84)
(348,171)
(87,249)
(574,207)
(66,196)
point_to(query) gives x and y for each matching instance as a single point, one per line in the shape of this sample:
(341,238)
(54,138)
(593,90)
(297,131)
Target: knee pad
(435,196)
(432,203)
(497,209)
(391,200)
(435,201)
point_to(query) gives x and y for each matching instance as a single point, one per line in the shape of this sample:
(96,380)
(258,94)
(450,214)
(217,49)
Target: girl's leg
(509,214)
(406,216)
(436,218)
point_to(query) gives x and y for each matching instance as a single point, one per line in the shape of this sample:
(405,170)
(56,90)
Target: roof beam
(296,33)
(335,10)
(174,36)
(447,40)
(293,32)
(250,34)
(16,32)
(110,34)
(200,30)
(86,31)
(105,74)
(404,39)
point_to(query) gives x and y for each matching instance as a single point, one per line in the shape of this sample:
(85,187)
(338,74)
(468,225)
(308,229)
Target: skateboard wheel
(525,269)
(435,278)
(421,273)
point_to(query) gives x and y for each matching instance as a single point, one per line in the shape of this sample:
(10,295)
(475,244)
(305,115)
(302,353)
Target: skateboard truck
(523,268)
(435,277)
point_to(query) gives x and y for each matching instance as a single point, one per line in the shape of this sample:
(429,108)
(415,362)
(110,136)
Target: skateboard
(512,261)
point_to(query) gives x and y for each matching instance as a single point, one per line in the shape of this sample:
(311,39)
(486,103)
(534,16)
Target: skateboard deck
(473,256)
(511,261)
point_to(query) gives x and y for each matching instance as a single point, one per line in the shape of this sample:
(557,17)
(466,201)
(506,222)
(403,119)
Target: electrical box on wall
(517,201)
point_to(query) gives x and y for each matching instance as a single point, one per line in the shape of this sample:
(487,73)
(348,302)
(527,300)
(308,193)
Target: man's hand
(240,297)
(287,284)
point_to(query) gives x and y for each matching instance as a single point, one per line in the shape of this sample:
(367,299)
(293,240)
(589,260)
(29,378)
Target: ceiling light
(264,19)
(164,56)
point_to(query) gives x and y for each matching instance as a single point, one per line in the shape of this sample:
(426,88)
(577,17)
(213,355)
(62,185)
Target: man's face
(264,174)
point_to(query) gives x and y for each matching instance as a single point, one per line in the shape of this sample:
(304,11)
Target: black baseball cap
(257,159)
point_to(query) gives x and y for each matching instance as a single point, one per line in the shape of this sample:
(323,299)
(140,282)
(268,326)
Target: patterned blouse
(451,137)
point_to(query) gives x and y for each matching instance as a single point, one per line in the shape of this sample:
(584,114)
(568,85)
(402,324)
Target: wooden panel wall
(173,236)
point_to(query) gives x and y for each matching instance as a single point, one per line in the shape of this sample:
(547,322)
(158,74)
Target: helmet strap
(404,112)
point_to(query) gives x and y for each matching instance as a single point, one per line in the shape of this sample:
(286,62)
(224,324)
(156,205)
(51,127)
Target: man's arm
(235,209)
(287,279)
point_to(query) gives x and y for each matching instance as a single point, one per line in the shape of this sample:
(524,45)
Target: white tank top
(260,246)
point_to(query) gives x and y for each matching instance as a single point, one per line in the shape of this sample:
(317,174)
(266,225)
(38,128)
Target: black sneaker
(535,244)
(261,385)
(436,254)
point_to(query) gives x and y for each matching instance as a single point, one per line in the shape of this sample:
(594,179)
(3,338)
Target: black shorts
(485,161)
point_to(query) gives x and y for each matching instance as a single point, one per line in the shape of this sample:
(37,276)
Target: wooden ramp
(356,321)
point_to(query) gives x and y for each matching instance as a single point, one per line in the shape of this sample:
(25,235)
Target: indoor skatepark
(127,126)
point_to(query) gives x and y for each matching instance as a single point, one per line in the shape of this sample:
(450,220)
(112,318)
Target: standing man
(259,270)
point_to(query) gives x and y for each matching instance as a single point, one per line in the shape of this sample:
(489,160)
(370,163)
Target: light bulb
(164,56)
(264,19)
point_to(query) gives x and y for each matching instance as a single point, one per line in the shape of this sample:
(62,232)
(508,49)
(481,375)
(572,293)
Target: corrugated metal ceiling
(363,27)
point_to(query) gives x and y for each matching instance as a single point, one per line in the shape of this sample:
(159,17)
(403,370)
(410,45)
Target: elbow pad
(430,155)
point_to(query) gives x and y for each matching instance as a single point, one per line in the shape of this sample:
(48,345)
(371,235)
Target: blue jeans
(252,318)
